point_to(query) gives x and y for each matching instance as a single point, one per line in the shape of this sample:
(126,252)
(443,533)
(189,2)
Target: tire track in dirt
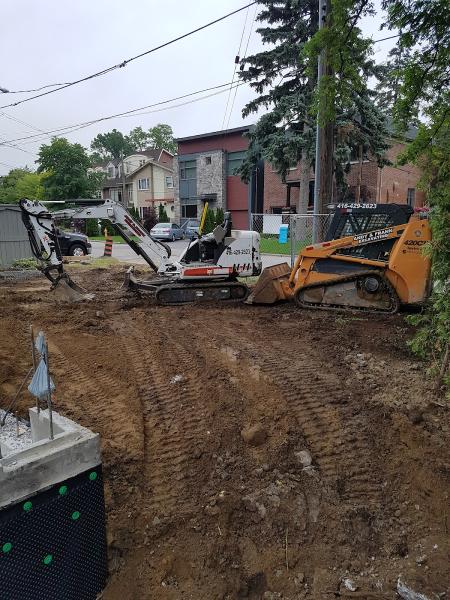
(316,400)
(173,421)
(99,402)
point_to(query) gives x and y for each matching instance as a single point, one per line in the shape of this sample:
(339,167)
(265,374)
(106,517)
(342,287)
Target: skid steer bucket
(268,288)
(67,290)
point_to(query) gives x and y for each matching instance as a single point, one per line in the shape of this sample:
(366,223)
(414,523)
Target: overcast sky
(53,41)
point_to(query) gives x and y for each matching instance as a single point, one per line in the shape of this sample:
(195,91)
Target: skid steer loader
(371,260)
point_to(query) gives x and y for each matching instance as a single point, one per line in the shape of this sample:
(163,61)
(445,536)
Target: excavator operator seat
(222,231)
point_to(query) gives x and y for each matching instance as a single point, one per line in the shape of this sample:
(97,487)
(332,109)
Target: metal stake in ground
(33,355)
(49,391)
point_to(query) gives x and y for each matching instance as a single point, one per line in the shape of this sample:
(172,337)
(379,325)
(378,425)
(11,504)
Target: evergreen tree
(219,217)
(285,78)
(210,221)
(162,215)
(91,227)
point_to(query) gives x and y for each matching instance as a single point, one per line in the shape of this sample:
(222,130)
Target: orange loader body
(403,272)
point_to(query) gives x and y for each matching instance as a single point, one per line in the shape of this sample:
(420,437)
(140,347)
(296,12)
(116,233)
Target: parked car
(191,228)
(73,244)
(167,231)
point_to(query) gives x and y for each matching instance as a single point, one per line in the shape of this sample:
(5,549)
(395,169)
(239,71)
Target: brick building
(205,166)
(204,171)
(387,185)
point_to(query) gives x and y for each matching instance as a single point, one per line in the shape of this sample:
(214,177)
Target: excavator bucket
(268,288)
(67,290)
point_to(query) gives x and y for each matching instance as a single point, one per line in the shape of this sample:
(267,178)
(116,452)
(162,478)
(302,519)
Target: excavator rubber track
(182,293)
(176,292)
(368,291)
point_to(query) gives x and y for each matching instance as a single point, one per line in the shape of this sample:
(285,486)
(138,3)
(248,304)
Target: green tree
(66,167)
(138,138)
(161,136)
(210,221)
(91,227)
(162,215)
(31,185)
(112,144)
(219,216)
(424,43)
(284,77)
(8,185)
(424,89)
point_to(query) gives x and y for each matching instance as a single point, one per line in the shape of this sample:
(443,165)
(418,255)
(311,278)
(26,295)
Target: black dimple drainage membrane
(53,545)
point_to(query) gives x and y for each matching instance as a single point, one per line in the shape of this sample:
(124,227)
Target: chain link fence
(299,232)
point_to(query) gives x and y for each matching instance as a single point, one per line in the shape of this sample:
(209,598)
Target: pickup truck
(73,244)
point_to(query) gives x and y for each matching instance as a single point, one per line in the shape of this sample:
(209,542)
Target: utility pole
(319,140)
(124,185)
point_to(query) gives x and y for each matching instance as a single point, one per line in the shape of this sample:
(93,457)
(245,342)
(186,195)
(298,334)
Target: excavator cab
(209,247)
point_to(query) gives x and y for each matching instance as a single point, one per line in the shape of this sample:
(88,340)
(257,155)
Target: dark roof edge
(222,132)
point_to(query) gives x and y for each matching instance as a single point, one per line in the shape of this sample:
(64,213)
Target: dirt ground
(209,417)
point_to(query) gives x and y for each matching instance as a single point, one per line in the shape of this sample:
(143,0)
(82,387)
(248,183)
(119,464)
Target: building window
(169,181)
(411,197)
(354,155)
(188,169)
(188,211)
(143,184)
(207,160)
(114,194)
(234,161)
(111,172)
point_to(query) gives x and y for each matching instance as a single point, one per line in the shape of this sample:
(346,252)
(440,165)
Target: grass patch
(103,262)
(269,244)
(116,239)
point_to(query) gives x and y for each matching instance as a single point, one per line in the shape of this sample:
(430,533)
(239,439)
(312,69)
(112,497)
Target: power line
(131,112)
(236,60)
(128,60)
(20,121)
(43,87)
(391,37)
(245,55)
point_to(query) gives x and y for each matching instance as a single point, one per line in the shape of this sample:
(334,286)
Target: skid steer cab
(371,260)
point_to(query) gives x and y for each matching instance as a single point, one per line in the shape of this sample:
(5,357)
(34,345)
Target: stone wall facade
(211,178)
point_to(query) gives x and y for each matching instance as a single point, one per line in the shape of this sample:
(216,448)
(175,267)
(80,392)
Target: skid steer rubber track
(367,292)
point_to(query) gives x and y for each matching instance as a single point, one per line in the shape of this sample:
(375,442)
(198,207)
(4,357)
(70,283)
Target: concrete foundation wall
(44,462)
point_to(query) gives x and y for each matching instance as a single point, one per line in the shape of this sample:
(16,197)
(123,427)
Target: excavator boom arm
(154,252)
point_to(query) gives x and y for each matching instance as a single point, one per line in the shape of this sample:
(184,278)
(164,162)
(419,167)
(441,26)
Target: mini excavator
(371,260)
(208,269)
